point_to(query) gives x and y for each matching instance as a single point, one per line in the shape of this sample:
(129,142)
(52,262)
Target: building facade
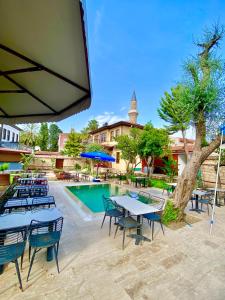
(106,135)
(10,134)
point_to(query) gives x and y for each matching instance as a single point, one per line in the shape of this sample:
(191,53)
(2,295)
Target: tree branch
(206,151)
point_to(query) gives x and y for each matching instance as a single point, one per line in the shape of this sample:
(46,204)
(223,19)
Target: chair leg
(124,231)
(57,248)
(117,227)
(110,225)
(162,227)
(21,262)
(56,258)
(153,229)
(103,220)
(208,208)
(29,252)
(18,274)
(31,263)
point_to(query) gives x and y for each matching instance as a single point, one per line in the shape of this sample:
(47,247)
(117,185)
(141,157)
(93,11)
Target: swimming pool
(91,195)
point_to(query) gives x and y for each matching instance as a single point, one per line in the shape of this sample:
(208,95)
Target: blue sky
(141,46)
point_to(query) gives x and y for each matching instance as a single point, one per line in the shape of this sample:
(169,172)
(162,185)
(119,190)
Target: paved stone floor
(184,264)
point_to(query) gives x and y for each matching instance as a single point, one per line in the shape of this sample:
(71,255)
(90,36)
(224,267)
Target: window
(117,132)
(103,137)
(13,137)
(8,135)
(17,138)
(96,139)
(117,157)
(4,134)
(111,136)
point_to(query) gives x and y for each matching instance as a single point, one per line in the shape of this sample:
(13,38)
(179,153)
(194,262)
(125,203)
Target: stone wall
(209,168)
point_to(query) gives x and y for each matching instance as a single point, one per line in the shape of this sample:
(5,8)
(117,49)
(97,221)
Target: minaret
(133,113)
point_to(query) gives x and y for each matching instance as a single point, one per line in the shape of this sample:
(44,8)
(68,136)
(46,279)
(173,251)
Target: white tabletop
(200,193)
(18,219)
(218,190)
(134,206)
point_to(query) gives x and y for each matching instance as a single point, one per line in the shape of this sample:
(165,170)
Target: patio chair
(40,191)
(111,211)
(23,193)
(126,223)
(156,217)
(12,246)
(44,235)
(43,201)
(207,200)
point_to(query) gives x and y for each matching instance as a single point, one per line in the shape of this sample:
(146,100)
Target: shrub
(170,213)
(158,183)
(4,167)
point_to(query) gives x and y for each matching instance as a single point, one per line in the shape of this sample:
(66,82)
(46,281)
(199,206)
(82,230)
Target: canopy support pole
(215,192)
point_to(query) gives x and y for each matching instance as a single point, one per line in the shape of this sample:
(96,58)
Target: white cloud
(109,117)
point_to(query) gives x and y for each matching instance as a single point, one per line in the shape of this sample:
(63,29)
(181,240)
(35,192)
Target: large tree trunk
(185,145)
(186,181)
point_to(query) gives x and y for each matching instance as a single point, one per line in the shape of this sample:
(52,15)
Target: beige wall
(209,172)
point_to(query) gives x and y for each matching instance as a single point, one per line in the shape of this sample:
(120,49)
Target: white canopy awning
(44,72)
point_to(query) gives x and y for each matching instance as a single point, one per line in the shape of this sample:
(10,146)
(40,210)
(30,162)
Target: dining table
(20,219)
(198,193)
(218,190)
(137,208)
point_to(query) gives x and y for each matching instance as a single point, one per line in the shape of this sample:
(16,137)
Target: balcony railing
(13,145)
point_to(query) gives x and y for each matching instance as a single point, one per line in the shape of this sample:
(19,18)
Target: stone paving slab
(186,263)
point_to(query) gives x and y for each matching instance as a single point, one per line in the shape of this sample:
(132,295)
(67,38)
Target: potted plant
(4,177)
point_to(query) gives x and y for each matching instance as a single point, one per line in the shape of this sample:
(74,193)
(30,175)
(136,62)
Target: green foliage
(74,145)
(128,144)
(53,161)
(170,167)
(173,109)
(199,97)
(170,213)
(92,125)
(26,160)
(94,148)
(153,142)
(43,137)
(4,167)
(29,135)
(54,132)
(158,183)
(77,167)
(199,181)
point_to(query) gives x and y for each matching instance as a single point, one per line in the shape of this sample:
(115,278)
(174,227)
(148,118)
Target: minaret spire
(133,113)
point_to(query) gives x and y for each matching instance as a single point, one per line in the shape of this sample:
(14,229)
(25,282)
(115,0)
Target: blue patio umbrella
(97,155)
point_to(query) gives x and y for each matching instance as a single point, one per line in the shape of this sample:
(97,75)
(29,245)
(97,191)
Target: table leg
(196,202)
(196,208)
(49,254)
(138,236)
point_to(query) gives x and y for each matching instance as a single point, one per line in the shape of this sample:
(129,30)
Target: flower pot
(4,179)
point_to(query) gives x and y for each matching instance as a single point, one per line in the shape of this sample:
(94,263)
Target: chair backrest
(45,200)
(45,234)
(12,244)
(108,203)
(16,203)
(160,204)
(7,194)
